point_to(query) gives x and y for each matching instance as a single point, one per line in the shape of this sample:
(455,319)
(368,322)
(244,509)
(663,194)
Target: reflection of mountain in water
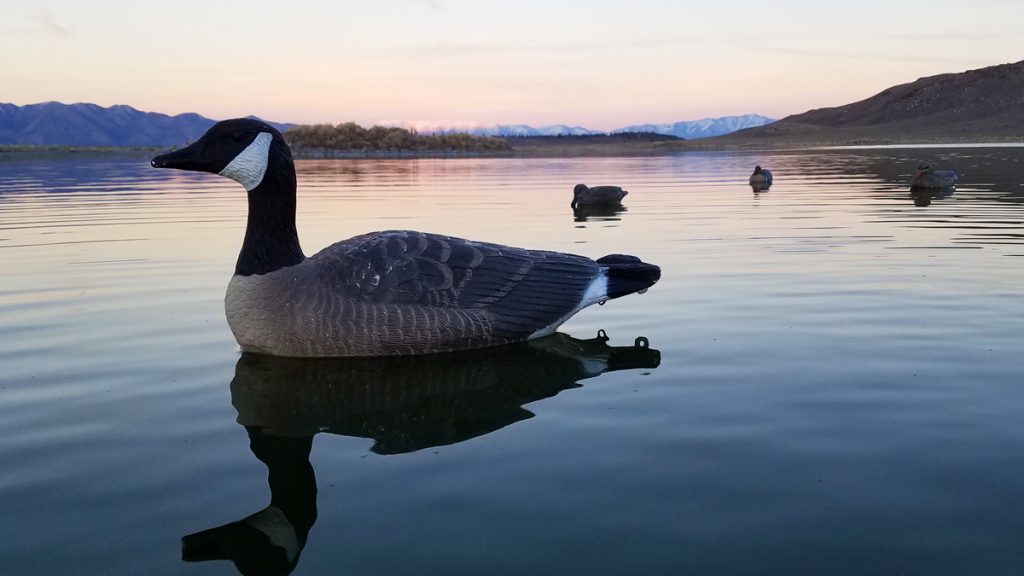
(403,404)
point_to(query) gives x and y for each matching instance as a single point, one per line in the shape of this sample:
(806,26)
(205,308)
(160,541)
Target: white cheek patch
(249,167)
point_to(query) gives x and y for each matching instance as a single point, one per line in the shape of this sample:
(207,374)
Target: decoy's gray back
(387,293)
(583,195)
(761,178)
(927,177)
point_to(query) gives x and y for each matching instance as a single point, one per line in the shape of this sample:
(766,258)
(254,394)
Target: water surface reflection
(403,404)
(599,213)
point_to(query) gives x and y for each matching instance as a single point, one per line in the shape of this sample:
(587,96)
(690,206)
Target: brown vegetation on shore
(351,138)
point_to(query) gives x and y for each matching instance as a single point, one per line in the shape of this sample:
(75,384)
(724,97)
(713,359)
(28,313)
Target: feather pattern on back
(403,292)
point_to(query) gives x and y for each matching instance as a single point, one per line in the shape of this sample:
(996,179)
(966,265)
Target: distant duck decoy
(761,179)
(390,293)
(583,195)
(927,177)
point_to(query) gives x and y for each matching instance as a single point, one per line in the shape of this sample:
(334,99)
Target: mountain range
(703,128)
(979,105)
(57,124)
(688,129)
(81,124)
(986,104)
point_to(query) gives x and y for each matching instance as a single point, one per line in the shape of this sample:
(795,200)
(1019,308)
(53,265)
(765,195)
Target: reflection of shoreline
(74,152)
(403,404)
(553,150)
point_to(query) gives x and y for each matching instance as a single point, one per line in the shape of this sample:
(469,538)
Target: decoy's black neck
(271,240)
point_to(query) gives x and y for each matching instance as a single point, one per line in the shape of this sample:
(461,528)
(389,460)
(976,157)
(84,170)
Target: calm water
(830,381)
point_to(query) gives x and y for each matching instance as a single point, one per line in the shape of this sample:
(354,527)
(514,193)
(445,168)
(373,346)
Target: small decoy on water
(583,195)
(927,177)
(761,178)
(388,293)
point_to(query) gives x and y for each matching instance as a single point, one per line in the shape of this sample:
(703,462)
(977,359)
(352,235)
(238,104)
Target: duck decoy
(583,195)
(927,177)
(761,179)
(389,293)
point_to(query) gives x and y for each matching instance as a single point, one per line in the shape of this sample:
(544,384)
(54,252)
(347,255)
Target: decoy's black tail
(628,274)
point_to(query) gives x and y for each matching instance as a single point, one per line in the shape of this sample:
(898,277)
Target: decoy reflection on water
(924,196)
(583,195)
(389,293)
(927,177)
(584,213)
(403,404)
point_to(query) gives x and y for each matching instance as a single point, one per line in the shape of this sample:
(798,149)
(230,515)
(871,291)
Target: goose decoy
(760,179)
(926,177)
(583,195)
(396,292)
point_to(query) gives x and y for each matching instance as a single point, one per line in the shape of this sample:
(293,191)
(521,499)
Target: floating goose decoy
(761,179)
(583,195)
(926,177)
(387,293)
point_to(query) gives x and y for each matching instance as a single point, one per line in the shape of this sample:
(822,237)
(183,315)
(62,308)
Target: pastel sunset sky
(598,64)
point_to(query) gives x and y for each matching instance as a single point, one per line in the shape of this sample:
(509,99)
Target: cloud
(817,53)
(45,17)
(435,4)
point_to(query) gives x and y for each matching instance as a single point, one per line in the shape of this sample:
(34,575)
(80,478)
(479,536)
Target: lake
(827,379)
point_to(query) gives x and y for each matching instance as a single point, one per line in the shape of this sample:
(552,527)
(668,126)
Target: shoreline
(554,149)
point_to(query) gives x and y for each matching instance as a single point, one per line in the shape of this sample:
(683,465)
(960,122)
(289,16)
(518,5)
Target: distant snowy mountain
(57,124)
(703,128)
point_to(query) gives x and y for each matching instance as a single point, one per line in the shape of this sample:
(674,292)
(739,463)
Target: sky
(597,64)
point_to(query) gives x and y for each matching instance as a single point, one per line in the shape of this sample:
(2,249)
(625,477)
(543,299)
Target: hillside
(986,104)
(57,124)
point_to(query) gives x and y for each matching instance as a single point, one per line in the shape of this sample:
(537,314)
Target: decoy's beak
(917,173)
(187,158)
(193,157)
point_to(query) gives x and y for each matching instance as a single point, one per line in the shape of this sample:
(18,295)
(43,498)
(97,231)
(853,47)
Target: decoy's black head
(579,189)
(757,169)
(922,168)
(239,149)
